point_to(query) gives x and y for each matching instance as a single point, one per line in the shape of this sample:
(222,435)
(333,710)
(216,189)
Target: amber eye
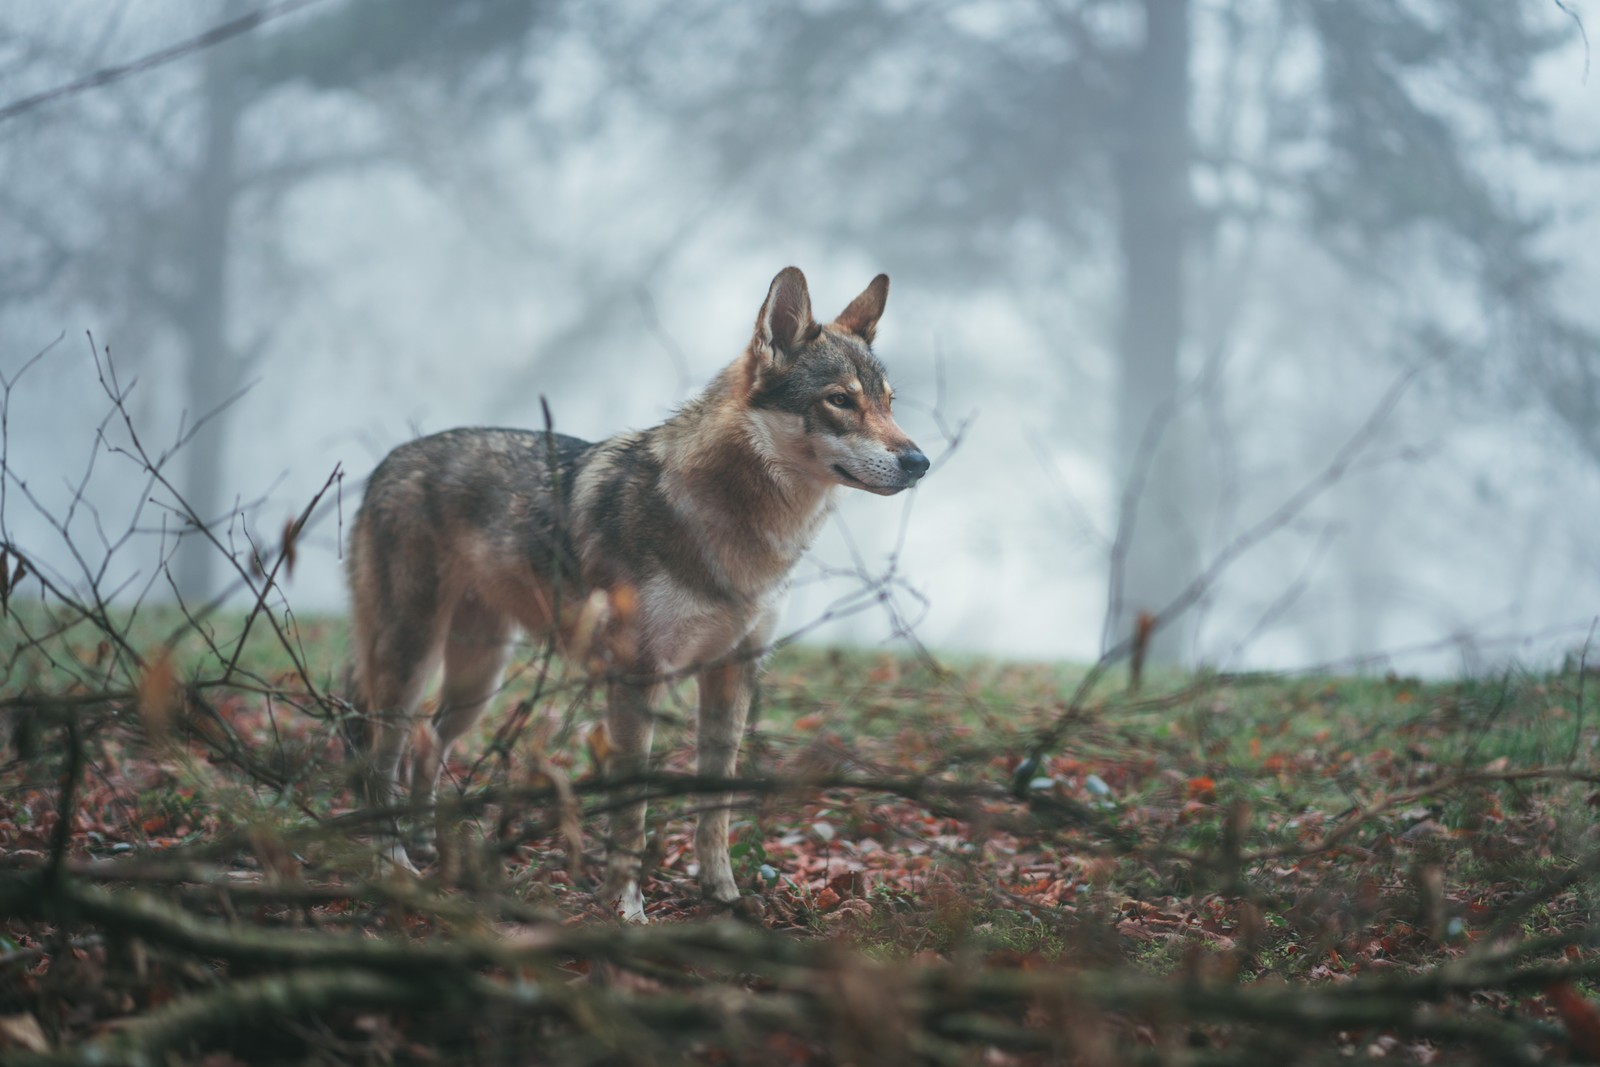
(841,400)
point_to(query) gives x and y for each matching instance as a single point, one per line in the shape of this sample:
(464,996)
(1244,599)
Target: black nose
(914,463)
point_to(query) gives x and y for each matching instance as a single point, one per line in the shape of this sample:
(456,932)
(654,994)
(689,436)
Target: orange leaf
(291,532)
(1579,1016)
(1098,871)
(624,602)
(599,744)
(158,695)
(1202,788)
(849,884)
(5,580)
(23,1032)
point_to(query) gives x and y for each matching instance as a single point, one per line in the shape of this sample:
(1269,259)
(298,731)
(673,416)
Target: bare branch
(159,58)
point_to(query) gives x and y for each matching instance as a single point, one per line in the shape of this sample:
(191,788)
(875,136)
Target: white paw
(398,860)
(721,895)
(630,904)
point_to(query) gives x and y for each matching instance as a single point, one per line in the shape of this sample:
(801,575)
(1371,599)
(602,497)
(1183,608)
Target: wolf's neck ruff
(725,473)
(646,554)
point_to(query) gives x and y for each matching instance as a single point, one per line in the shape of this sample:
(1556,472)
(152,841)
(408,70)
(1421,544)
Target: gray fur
(672,546)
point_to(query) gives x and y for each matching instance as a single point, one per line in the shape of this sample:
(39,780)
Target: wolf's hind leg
(631,724)
(476,649)
(397,668)
(725,692)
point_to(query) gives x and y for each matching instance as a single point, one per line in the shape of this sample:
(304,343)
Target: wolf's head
(818,399)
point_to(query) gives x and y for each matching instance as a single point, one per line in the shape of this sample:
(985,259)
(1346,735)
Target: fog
(1298,298)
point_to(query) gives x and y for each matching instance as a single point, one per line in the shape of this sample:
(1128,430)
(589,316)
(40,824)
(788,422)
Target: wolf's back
(499,498)
(513,486)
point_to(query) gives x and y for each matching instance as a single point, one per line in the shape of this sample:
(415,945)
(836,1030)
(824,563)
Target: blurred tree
(1131,155)
(1159,550)
(978,143)
(166,252)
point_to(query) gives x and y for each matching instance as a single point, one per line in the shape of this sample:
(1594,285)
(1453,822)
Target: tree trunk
(212,370)
(1154,209)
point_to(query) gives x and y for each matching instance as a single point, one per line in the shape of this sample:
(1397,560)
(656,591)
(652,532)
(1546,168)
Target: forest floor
(953,862)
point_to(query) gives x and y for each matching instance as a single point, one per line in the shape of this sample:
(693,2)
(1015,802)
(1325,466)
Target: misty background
(1313,279)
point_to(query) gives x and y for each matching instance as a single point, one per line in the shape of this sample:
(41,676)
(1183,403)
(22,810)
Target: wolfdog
(657,554)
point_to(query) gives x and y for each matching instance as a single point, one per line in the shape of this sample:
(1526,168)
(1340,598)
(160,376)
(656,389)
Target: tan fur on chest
(752,521)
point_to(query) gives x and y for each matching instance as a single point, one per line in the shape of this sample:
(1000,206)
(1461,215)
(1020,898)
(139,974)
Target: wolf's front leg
(631,725)
(725,693)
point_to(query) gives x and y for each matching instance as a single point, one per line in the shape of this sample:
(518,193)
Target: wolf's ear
(861,317)
(785,320)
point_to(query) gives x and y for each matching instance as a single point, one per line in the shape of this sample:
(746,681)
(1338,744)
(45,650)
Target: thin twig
(159,58)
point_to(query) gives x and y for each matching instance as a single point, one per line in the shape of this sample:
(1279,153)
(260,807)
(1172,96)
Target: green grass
(51,648)
(1281,829)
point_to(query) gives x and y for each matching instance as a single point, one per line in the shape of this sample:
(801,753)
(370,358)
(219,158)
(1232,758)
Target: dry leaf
(1579,1016)
(22,1032)
(599,742)
(158,692)
(593,616)
(291,531)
